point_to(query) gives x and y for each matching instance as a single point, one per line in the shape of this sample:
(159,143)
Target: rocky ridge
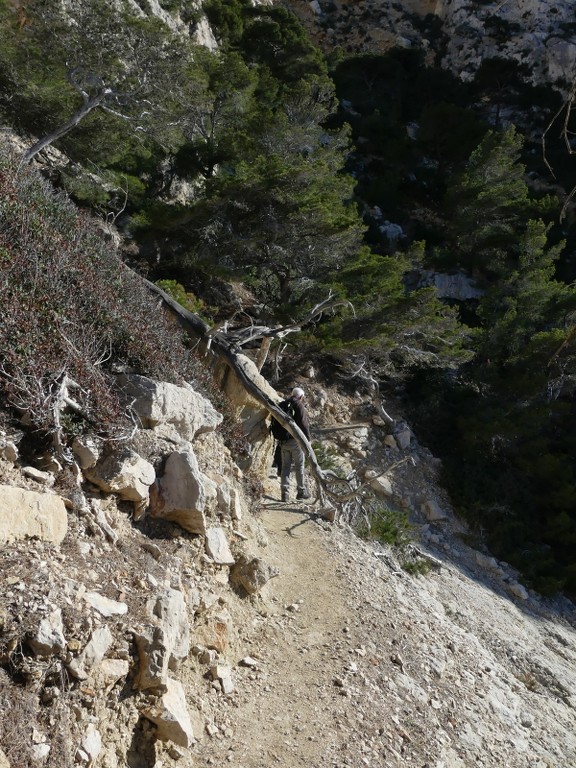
(462,33)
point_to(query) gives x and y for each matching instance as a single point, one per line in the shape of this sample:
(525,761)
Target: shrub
(388,527)
(69,308)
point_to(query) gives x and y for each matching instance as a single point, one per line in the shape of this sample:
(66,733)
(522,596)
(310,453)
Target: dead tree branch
(565,133)
(346,498)
(226,345)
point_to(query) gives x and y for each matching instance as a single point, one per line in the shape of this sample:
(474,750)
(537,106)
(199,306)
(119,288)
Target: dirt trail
(360,665)
(287,722)
(286,711)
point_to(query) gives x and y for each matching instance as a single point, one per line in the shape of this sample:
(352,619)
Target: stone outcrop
(184,494)
(538,33)
(177,412)
(26,514)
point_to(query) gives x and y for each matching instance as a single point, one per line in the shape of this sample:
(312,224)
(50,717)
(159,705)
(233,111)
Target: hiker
(291,451)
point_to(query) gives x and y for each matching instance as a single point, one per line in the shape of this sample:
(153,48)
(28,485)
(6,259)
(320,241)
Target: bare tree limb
(224,344)
(566,107)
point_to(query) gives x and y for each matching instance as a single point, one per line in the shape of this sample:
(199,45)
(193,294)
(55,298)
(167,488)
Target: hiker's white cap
(298,393)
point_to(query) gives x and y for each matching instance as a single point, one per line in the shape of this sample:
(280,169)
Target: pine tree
(488,205)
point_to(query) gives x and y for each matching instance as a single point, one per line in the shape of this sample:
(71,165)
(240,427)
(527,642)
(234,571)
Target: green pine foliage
(489,204)
(507,420)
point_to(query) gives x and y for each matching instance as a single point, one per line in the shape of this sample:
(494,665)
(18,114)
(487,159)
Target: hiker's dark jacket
(301,416)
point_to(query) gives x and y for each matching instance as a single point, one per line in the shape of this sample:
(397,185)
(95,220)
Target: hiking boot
(284,495)
(302,495)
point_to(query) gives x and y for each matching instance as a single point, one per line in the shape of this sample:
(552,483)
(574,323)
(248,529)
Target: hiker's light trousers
(292,454)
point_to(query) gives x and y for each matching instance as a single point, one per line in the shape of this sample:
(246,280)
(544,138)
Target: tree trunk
(227,351)
(50,138)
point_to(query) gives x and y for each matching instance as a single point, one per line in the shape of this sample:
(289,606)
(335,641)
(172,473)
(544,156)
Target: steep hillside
(136,643)
(159,605)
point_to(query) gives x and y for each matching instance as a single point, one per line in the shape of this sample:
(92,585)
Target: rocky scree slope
(268,636)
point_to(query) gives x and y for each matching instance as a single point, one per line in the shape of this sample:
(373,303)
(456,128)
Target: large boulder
(184,494)
(170,410)
(125,473)
(27,514)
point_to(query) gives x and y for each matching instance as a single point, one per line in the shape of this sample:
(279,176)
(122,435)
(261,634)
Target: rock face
(534,32)
(539,33)
(27,514)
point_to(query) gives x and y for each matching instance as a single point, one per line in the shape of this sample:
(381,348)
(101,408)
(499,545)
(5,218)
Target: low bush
(70,310)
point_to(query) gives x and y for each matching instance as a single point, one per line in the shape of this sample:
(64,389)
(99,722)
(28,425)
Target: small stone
(248,661)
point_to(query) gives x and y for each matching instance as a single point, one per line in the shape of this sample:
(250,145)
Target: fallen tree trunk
(228,351)
(226,345)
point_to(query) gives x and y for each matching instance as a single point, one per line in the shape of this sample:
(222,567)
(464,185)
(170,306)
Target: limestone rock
(28,514)
(109,672)
(183,494)
(169,606)
(46,478)
(125,473)
(390,442)
(217,547)
(250,413)
(92,743)
(229,500)
(165,643)
(433,511)
(93,653)
(105,605)
(161,404)
(251,574)
(153,657)
(214,630)
(403,438)
(171,716)
(49,637)
(380,483)
(4,760)
(223,674)
(86,452)
(40,752)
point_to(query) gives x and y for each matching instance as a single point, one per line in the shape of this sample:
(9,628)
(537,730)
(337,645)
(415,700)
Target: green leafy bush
(387,526)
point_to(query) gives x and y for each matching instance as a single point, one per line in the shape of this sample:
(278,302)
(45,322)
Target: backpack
(277,431)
